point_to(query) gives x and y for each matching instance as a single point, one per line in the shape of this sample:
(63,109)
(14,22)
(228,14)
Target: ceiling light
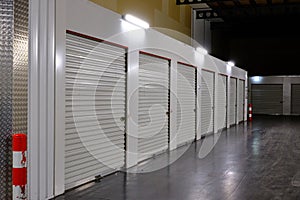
(256,79)
(230,63)
(136,21)
(201,50)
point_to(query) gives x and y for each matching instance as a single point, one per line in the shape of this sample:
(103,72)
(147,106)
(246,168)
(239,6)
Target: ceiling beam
(231,12)
(187,2)
(206,14)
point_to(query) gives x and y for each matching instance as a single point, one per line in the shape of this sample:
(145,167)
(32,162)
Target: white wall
(286,81)
(87,18)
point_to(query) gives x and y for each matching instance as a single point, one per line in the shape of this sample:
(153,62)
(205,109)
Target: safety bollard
(19,171)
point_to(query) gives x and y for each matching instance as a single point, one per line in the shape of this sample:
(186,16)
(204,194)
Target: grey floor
(257,160)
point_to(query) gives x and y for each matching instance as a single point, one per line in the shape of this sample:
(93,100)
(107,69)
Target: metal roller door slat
(96,74)
(295,104)
(90,44)
(80,161)
(267,98)
(89,132)
(222,102)
(153,90)
(93,66)
(157,140)
(154,147)
(85,59)
(85,122)
(95,96)
(186,94)
(91,167)
(97,149)
(88,160)
(100,144)
(207,102)
(97,138)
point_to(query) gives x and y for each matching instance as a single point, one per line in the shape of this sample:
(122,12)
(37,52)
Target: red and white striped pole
(250,112)
(19,171)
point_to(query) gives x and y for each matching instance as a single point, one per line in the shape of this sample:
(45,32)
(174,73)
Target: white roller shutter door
(295,99)
(207,102)
(241,100)
(267,98)
(232,101)
(186,104)
(95,109)
(221,101)
(153,110)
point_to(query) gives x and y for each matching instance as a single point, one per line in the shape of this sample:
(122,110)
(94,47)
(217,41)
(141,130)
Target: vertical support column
(198,108)
(59,69)
(237,101)
(41,99)
(287,94)
(215,103)
(132,109)
(201,32)
(228,101)
(6,81)
(173,105)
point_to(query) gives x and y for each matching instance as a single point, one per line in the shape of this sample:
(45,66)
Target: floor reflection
(256,160)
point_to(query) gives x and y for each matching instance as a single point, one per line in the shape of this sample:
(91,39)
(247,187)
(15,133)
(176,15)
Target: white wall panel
(207,102)
(76,15)
(186,105)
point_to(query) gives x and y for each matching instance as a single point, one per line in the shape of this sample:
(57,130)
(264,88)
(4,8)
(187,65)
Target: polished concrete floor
(257,160)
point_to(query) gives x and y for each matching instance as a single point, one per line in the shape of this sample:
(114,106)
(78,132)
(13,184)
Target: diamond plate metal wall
(13,82)
(6,79)
(20,66)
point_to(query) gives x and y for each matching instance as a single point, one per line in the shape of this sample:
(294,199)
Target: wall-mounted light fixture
(201,50)
(256,79)
(136,21)
(230,63)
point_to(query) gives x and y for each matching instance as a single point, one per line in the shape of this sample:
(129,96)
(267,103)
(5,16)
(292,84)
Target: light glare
(201,50)
(231,64)
(136,21)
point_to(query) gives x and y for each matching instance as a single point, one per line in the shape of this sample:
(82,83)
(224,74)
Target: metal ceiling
(233,10)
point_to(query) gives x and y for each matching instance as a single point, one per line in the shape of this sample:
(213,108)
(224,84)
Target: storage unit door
(153,108)
(295,99)
(207,102)
(267,98)
(241,100)
(221,102)
(233,101)
(94,109)
(186,103)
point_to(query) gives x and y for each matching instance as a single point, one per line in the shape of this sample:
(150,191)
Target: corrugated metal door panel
(267,98)
(222,102)
(241,100)
(186,104)
(153,108)
(295,106)
(95,109)
(232,101)
(207,102)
